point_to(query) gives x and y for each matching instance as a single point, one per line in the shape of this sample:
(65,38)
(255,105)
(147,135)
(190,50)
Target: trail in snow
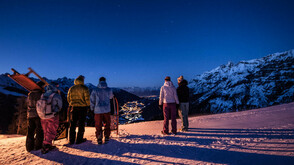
(262,136)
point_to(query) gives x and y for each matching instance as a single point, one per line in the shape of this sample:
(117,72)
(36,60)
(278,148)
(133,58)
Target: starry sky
(139,42)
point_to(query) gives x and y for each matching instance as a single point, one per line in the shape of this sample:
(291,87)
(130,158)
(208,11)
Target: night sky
(139,42)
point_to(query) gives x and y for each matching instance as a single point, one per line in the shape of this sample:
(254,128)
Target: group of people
(80,101)
(171,99)
(42,131)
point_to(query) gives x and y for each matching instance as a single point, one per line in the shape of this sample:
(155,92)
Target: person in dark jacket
(183,94)
(35,134)
(78,98)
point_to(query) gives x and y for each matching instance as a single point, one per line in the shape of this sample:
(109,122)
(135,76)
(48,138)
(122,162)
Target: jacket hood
(183,83)
(102,84)
(79,81)
(49,89)
(168,84)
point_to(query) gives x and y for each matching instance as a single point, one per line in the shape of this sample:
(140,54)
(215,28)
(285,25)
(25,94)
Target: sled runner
(114,117)
(27,83)
(62,130)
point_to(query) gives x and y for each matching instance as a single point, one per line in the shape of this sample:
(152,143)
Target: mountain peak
(248,84)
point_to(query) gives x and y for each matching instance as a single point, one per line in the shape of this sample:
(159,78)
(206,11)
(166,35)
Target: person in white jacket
(100,104)
(168,102)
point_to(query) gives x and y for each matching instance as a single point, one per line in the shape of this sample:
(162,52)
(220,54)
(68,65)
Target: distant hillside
(245,85)
(148,91)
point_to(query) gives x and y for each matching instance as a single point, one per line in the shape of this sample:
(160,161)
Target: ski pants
(170,110)
(34,128)
(183,113)
(101,119)
(78,116)
(50,129)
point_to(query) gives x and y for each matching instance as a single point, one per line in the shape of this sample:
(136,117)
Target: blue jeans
(183,113)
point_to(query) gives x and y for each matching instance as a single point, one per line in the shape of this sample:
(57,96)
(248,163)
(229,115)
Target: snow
(10,92)
(260,136)
(287,95)
(6,81)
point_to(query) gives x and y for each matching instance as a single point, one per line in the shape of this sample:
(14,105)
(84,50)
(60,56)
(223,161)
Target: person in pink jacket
(168,102)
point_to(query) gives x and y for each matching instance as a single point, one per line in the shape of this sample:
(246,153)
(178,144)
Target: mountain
(139,91)
(260,136)
(9,87)
(246,85)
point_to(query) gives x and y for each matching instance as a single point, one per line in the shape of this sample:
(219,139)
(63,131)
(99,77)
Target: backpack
(44,107)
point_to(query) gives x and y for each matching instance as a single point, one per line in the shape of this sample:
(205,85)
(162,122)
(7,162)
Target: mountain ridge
(245,85)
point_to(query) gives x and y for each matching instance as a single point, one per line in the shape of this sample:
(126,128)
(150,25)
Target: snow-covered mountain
(139,91)
(8,86)
(245,85)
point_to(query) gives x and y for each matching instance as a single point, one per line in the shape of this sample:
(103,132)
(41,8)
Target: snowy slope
(261,136)
(246,85)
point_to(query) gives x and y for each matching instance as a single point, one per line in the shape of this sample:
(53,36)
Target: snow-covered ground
(261,136)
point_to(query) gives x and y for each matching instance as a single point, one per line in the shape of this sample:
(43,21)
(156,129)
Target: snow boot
(52,147)
(173,133)
(81,141)
(164,133)
(106,139)
(184,129)
(45,149)
(99,141)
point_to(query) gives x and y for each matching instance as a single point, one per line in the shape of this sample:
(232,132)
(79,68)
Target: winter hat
(180,79)
(81,77)
(40,84)
(102,79)
(167,78)
(183,82)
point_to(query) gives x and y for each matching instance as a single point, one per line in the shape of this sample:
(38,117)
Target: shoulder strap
(51,97)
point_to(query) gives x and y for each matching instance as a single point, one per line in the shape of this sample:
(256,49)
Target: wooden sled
(114,118)
(62,130)
(27,83)
(24,80)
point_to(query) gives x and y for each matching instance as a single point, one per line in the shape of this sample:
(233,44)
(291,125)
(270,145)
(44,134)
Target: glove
(178,106)
(160,107)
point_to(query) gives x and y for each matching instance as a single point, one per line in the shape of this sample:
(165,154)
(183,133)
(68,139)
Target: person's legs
(107,121)
(98,126)
(30,141)
(166,114)
(39,134)
(180,111)
(45,148)
(73,124)
(53,124)
(185,115)
(44,123)
(173,112)
(82,120)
